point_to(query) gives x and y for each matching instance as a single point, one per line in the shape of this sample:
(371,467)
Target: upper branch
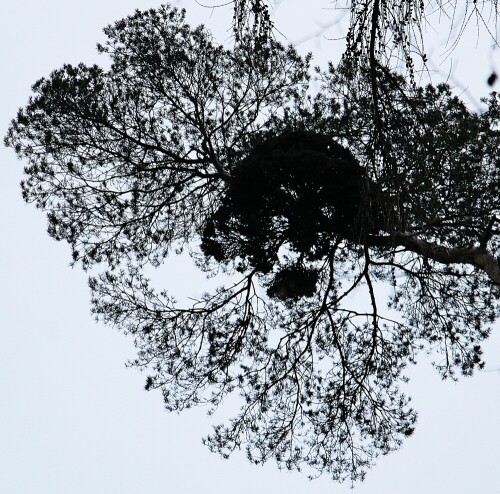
(478,257)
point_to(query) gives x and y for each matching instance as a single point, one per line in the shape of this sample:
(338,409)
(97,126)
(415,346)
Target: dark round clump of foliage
(293,282)
(301,190)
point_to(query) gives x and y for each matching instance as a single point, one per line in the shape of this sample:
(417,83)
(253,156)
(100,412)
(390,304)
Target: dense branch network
(182,143)
(383,37)
(380,32)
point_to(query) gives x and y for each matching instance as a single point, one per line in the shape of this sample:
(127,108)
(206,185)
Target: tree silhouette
(184,144)
(381,34)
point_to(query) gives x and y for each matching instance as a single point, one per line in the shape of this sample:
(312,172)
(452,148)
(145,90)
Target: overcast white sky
(74,420)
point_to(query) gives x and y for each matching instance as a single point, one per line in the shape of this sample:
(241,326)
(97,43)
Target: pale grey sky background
(74,420)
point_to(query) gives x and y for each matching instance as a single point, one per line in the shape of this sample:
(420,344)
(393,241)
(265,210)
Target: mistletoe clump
(300,190)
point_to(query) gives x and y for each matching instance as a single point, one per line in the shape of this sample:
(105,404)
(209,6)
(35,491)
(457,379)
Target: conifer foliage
(304,200)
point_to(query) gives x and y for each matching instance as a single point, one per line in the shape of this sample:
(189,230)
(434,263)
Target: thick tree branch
(479,257)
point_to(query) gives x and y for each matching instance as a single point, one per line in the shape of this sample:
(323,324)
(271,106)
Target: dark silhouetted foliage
(301,190)
(356,235)
(381,34)
(293,282)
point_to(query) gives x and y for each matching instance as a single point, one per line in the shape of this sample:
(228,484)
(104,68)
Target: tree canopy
(380,34)
(184,144)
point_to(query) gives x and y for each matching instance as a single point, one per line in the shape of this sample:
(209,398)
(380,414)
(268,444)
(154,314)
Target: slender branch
(489,232)
(374,35)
